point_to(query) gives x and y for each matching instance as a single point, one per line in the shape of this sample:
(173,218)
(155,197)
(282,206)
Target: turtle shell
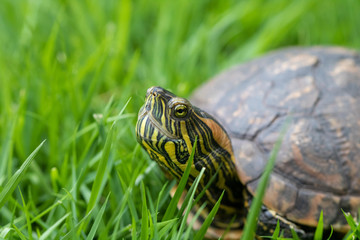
(317,168)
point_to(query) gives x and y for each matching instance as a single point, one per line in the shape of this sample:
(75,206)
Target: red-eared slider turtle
(238,116)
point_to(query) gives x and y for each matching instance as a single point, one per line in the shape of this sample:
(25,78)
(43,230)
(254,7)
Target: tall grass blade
(16,178)
(144,220)
(6,148)
(166,226)
(189,204)
(5,231)
(72,232)
(202,231)
(97,220)
(201,194)
(251,220)
(193,220)
(294,234)
(27,216)
(319,228)
(276,231)
(350,220)
(180,188)
(133,230)
(100,173)
(20,234)
(355,227)
(50,230)
(331,232)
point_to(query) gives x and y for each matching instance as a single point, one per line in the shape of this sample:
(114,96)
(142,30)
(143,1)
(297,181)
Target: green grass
(69,68)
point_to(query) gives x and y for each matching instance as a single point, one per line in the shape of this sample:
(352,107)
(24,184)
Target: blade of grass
(130,200)
(350,220)
(144,220)
(331,232)
(120,210)
(212,179)
(294,234)
(100,173)
(155,229)
(97,220)
(72,232)
(151,226)
(20,234)
(133,228)
(251,220)
(6,148)
(228,227)
(166,226)
(5,231)
(180,188)
(355,227)
(319,228)
(116,230)
(189,204)
(47,233)
(161,201)
(121,233)
(16,178)
(276,231)
(27,215)
(202,231)
(191,224)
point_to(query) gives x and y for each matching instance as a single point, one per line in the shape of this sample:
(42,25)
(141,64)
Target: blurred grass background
(67,70)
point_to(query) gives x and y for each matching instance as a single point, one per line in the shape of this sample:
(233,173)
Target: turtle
(238,115)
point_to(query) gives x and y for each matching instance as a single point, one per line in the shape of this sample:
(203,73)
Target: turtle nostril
(154,91)
(150,91)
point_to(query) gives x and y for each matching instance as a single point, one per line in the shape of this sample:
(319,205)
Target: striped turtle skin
(237,117)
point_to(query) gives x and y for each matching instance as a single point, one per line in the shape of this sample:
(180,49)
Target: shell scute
(274,195)
(307,209)
(290,62)
(248,156)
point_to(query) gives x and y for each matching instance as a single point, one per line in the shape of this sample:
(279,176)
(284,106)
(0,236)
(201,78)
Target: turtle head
(160,129)
(167,128)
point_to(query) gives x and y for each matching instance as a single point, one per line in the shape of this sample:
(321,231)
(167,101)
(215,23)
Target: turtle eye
(180,110)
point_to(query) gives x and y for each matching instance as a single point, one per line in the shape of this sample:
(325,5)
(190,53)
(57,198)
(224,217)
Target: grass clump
(69,68)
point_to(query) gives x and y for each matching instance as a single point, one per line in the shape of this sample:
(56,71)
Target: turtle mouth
(155,124)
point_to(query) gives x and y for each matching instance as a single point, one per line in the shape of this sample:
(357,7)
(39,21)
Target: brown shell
(318,166)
